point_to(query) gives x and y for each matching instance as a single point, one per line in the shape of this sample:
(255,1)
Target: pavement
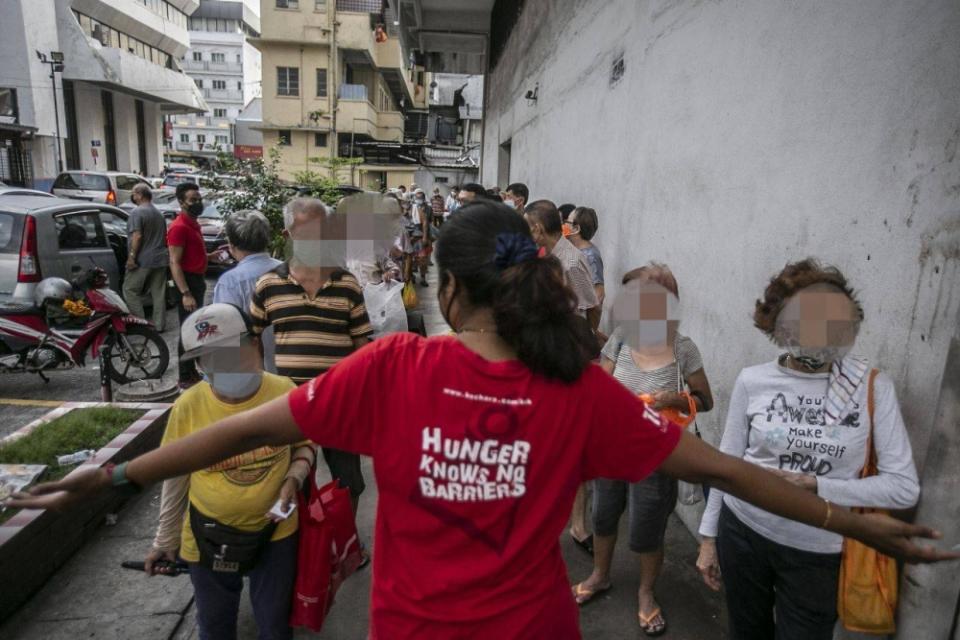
(92,597)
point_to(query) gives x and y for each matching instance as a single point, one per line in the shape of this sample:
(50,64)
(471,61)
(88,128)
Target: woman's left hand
(287,497)
(892,537)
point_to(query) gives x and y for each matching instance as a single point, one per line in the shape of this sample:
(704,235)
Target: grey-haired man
(147,256)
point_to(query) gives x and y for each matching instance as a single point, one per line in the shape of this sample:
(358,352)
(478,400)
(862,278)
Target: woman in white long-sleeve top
(806,417)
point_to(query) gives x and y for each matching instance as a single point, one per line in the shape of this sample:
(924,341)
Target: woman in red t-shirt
(479,444)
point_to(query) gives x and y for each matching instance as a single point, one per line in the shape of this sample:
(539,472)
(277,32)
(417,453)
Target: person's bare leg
(603,547)
(650,564)
(578,517)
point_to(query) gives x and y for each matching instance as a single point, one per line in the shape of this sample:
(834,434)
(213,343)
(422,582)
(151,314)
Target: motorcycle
(38,339)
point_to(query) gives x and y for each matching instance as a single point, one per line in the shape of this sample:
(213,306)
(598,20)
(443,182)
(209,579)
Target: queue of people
(488,442)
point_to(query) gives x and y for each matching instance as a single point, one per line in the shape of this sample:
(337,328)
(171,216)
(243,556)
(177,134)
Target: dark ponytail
(487,248)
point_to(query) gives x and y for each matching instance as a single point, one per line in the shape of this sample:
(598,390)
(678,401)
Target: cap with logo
(212,327)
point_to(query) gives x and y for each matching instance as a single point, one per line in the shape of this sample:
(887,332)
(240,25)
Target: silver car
(42,237)
(108,187)
(20,191)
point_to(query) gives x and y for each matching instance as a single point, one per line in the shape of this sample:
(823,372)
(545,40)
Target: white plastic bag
(384,304)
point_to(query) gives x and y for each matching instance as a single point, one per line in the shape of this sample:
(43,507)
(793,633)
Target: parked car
(165,200)
(42,237)
(173,180)
(108,187)
(20,191)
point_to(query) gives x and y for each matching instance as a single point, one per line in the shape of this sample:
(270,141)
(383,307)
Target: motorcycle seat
(12,308)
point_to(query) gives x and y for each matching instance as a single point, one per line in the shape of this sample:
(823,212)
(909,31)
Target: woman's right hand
(80,486)
(156,555)
(707,563)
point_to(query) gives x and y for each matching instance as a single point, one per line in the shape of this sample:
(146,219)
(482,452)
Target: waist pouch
(225,549)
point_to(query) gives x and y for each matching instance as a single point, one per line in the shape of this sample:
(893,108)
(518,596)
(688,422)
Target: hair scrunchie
(512,249)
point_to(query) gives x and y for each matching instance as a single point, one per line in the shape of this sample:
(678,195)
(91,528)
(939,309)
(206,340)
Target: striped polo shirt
(311,335)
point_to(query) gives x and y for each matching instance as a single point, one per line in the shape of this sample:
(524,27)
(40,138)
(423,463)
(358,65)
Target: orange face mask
(682,418)
(567,229)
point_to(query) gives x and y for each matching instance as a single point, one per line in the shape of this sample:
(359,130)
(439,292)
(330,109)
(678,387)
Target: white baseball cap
(212,327)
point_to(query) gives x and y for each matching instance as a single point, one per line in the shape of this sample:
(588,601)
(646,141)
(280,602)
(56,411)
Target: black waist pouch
(226,549)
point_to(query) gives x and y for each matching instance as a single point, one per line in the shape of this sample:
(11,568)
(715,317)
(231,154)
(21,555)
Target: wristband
(304,458)
(826,519)
(119,479)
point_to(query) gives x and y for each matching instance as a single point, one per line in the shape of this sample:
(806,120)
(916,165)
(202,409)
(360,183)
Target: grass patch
(89,428)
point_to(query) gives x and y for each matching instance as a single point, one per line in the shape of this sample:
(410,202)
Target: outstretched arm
(694,461)
(269,424)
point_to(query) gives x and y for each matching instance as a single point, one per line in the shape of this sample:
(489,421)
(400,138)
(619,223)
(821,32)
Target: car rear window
(10,230)
(88,181)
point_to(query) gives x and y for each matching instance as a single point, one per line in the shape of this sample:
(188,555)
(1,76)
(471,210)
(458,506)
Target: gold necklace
(481,330)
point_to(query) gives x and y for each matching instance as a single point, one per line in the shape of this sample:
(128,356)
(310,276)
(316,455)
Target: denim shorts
(649,504)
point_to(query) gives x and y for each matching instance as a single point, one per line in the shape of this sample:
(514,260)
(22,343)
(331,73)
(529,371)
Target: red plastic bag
(329,552)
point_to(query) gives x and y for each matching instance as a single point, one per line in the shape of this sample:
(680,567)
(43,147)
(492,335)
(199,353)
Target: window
(223,140)
(184,137)
(288,4)
(80,231)
(239,86)
(219,113)
(288,81)
(320,5)
(127,183)
(217,57)
(109,132)
(319,139)
(441,179)
(199,83)
(238,58)
(321,83)
(201,138)
(219,85)
(283,137)
(197,56)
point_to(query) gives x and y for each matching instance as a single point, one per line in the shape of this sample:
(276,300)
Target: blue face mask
(235,386)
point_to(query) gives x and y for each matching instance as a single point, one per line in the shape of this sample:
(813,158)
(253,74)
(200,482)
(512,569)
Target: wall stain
(950,149)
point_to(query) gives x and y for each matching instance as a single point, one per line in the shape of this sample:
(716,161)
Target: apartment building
(98,102)
(335,84)
(226,69)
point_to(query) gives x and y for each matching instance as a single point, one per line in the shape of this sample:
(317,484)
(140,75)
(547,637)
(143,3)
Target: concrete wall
(426,179)
(742,136)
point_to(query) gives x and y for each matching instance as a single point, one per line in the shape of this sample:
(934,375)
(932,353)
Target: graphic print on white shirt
(795,431)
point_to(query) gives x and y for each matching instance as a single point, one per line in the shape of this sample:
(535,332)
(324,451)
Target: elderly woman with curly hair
(806,416)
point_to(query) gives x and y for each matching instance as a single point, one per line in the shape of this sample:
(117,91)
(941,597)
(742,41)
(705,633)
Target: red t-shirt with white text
(477,464)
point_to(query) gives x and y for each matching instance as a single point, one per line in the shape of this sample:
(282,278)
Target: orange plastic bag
(673,415)
(867,593)
(410,299)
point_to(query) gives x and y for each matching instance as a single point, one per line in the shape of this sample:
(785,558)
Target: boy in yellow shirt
(218,517)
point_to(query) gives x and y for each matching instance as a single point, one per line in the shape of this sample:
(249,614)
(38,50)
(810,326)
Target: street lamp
(56,64)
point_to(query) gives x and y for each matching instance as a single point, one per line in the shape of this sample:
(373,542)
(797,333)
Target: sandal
(649,626)
(586,544)
(583,595)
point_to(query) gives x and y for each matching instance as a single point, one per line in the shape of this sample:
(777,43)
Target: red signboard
(247,151)
(167,130)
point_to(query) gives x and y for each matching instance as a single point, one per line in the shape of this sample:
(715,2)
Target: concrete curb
(34,543)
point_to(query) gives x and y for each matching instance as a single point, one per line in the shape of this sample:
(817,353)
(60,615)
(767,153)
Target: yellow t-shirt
(239,491)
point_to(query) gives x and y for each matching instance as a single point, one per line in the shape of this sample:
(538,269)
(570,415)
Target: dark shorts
(649,504)
(345,467)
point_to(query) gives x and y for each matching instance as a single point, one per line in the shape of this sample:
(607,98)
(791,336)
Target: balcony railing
(352,91)
(366,6)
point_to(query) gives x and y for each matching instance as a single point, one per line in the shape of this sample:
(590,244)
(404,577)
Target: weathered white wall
(745,135)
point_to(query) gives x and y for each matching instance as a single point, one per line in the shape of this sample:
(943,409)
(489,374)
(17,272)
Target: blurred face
(466,197)
(235,372)
(818,325)
(192,202)
(571,227)
(318,240)
(647,315)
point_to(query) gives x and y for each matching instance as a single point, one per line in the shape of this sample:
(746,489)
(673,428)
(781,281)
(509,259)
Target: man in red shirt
(188,264)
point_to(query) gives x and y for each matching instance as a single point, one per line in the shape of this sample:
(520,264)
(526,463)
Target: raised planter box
(35,543)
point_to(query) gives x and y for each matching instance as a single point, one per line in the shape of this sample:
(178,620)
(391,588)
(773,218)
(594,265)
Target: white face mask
(321,253)
(235,386)
(510,202)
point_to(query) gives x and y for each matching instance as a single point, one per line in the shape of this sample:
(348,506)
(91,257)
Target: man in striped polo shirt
(316,310)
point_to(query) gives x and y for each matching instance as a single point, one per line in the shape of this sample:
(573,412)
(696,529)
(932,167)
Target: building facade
(117,78)
(226,69)
(335,85)
(454,128)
